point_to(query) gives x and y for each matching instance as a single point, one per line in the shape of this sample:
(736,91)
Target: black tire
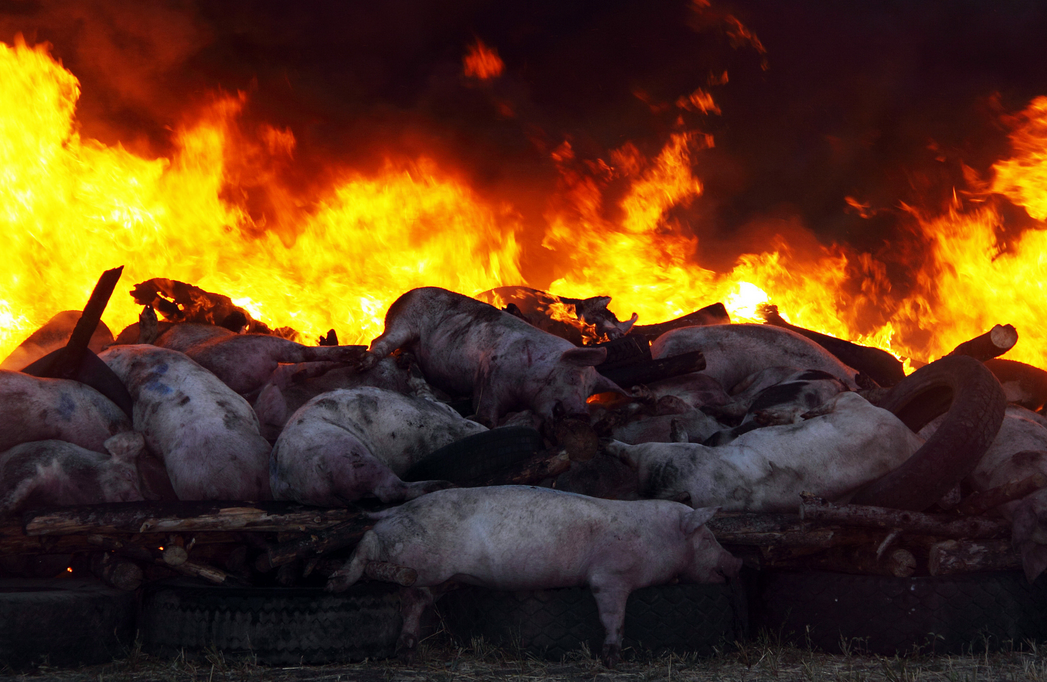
(886,615)
(276,626)
(63,622)
(478,456)
(975,403)
(553,623)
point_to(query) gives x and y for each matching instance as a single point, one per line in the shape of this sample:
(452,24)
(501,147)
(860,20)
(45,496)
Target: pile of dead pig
(249,459)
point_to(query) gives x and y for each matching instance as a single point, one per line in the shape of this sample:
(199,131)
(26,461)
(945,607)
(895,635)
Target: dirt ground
(443,660)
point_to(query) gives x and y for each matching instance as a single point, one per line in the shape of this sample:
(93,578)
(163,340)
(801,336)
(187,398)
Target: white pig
(34,409)
(350,443)
(56,473)
(831,455)
(735,351)
(206,434)
(526,538)
(467,347)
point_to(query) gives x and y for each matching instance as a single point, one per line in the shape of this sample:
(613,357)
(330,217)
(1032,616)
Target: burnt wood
(710,314)
(991,344)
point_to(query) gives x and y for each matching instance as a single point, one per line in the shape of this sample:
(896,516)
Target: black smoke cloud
(883,102)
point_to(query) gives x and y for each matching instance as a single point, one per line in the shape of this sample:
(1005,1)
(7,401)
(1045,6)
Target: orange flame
(215,214)
(482,62)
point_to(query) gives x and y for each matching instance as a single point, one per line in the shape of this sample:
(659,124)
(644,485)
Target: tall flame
(72,207)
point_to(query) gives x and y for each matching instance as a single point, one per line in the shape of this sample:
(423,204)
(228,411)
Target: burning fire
(71,207)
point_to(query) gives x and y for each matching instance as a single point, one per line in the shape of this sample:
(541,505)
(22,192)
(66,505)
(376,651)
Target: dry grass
(439,659)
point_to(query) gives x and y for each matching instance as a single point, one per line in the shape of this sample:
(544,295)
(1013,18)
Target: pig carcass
(34,409)
(574,319)
(525,538)
(205,433)
(56,473)
(54,335)
(351,443)
(466,347)
(246,362)
(831,455)
(735,351)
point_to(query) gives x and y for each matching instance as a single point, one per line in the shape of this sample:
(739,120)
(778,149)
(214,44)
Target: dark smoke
(883,102)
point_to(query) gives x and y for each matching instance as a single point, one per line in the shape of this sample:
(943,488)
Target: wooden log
(529,472)
(645,372)
(390,573)
(116,571)
(778,530)
(981,502)
(899,562)
(173,555)
(197,570)
(181,517)
(970,556)
(941,525)
(991,344)
(877,364)
(315,544)
(710,314)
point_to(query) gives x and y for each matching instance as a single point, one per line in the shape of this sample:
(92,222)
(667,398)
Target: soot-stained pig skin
(765,470)
(467,347)
(206,434)
(56,473)
(351,443)
(524,538)
(246,362)
(32,409)
(735,351)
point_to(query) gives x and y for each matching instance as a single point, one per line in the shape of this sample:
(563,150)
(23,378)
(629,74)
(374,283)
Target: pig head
(467,347)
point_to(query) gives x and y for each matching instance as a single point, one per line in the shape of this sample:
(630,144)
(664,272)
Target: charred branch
(315,544)
(981,502)
(969,556)
(529,472)
(878,365)
(710,314)
(991,344)
(652,370)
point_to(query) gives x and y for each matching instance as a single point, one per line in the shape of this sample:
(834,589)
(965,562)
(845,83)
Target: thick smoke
(881,102)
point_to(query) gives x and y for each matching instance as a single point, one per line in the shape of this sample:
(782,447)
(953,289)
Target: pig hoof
(368,361)
(337,583)
(406,647)
(612,655)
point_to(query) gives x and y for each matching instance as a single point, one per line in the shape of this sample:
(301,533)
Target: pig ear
(697,518)
(126,446)
(270,406)
(604,385)
(584,357)
(1034,560)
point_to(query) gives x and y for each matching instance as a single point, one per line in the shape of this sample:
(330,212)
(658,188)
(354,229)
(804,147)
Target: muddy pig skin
(351,443)
(735,351)
(526,538)
(467,347)
(206,435)
(832,455)
(245,362)
(33,409)
(55,473)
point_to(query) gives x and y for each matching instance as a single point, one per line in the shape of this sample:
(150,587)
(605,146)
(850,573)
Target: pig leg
(345,577)
(413,602)
(611,596)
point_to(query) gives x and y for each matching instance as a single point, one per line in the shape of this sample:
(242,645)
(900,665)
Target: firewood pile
(640,398)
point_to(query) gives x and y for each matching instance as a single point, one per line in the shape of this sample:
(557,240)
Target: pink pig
(526,538)
(467,347)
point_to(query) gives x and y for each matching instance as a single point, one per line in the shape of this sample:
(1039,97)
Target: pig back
(32,409)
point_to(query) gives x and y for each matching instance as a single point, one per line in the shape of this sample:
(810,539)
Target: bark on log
(181,517)
(390,573)
(991,344)
(779,530)
(879,365)
(710,314)
(315,544)
(645,372)
(981,502)
(967,556)
(1022,383)
(195,570)
(116,571)
(941,525)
